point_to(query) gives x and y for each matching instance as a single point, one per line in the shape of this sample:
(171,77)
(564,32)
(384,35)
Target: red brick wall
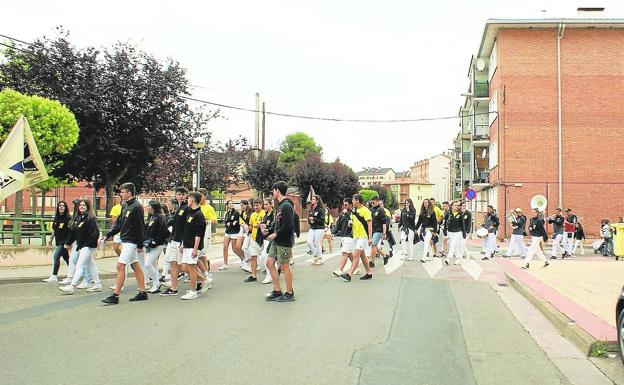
(592,83)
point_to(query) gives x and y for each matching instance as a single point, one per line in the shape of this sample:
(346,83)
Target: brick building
(538,85)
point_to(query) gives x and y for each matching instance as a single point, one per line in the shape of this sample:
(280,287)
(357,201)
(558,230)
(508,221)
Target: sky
(327,58)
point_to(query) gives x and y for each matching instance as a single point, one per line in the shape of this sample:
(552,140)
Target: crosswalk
(471,267)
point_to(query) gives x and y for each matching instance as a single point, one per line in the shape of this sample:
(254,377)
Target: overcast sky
(339,59)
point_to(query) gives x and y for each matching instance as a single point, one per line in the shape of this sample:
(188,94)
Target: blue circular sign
(471,194)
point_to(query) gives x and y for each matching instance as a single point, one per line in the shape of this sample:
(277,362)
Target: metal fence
(17,229)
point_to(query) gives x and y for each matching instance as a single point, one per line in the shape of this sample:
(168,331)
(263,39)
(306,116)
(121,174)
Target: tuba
(539,202)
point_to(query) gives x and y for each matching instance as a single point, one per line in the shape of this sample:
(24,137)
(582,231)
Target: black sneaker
(371,264)
(546,264)
(274,296)
(180,276)
(251,279)
(485,258)
(446,261)
(385,260)
(526,267)
(169,292)
(366,276)
(111,300)
(346,277)
(141,296)
(553,257)
(198,286)
(286,297)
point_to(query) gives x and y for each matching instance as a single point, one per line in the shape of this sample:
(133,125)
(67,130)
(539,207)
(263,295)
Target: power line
(15,48)
(14,39)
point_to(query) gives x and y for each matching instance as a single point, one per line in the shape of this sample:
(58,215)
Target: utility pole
(263,130)
(257,132)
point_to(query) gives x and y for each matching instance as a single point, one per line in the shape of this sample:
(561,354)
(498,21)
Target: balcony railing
(481,89)
(480,138)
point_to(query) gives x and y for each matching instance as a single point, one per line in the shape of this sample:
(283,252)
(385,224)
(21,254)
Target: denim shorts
(376,239)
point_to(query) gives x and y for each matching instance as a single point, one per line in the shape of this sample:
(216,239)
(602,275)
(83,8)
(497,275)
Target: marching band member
(538,234)
(518,222)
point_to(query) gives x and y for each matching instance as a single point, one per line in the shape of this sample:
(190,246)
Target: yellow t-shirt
(387,213)
(329,220)
(438,213)
(255,219)
(115,210)
(358,228)
(209,212)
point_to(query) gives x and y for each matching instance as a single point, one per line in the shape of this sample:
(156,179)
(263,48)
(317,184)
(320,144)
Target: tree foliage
(332,181)
(262,172)
(386,195)
(368,194)
(296,147)
(129,106)
(223,165)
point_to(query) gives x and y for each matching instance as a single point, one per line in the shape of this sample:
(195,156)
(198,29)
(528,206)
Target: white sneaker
(206,286)
(357,271)
(337,273)
(224,267)
(52,279)
(154,289)
(66,281)
(246,269)
(190,295)
(319,261)
(95,288)
(410,258)
(267,279)
(84,284)
(69,289)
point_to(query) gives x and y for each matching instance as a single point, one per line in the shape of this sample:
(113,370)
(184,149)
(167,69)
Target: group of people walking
(183,231)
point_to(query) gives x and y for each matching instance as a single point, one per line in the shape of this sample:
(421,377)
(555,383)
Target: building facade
(375,176)
(407,187)
(542,116)
(437,171)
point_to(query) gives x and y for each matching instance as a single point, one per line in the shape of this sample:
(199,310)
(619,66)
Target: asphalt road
(399,328)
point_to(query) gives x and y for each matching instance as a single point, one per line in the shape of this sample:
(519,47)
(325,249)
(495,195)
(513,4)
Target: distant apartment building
(404,186)
(543,115)
(435,170)
(375,176)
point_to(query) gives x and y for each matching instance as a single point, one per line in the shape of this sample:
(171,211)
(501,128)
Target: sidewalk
(106,266)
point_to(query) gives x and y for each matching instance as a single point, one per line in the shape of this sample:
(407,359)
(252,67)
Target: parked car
(619,323)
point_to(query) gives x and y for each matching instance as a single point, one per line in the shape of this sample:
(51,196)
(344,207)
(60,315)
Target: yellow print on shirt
(127,214)
(189,220)
(61,225)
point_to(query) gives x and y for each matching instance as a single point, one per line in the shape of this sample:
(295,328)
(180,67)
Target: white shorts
(173,254)
(128,254)
(241,232)
(360,243)
(117,238)
(187,257)
(346,245)
(254,248)
(231,236)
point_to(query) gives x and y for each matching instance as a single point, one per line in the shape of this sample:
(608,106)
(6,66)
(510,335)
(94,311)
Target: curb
(14,280)
(567,327)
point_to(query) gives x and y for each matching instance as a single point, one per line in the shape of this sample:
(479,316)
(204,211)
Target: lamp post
(198,143)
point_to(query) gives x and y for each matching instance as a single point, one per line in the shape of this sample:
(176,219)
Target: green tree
(53,125)
(261,173)
(296,147)
(368,194)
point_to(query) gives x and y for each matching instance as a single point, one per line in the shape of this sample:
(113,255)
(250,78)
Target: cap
(518,210)
(568,210)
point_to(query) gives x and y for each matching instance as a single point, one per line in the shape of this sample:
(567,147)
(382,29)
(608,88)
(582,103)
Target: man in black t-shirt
(193,242)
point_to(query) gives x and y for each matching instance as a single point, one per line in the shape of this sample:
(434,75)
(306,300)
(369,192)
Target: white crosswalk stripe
(433,267)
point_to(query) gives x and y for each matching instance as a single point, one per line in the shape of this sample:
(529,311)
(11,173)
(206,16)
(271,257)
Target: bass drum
(482,233)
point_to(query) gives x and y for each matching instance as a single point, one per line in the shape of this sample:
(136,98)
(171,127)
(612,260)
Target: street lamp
(198,143)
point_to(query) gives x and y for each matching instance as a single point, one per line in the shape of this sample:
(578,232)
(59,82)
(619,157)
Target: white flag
(310,194)
(34,169)
(12,162)
(21,165)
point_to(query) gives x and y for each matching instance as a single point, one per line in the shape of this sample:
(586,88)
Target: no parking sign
(470,194)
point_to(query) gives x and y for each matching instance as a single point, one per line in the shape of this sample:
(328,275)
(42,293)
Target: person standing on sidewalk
(362,236)
(60,228)
(282,241)
(538,234)
(490,223)
(86,236)
(131,227)
(316,220)
(343,229)
(380,226)
(407,226)
(569,227)
(427,224)
(557,222)
(516,244)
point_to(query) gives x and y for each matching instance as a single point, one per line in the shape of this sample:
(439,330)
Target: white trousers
(428,247)
(151,263)
(246,252)
(568,242)
(516,245)
(315,236)
(456,245)
(73,259)
(555,244)
(85,259)
(490,244)
(408,243)
(578,243)
(535,249)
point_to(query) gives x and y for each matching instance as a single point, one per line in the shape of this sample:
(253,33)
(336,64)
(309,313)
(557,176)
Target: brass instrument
(539,202)
(511,216)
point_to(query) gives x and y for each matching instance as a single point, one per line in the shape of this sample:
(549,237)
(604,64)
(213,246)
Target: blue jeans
(59,252)
(608,246)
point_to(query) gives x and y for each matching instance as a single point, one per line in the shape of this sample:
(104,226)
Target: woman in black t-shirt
(60,226)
